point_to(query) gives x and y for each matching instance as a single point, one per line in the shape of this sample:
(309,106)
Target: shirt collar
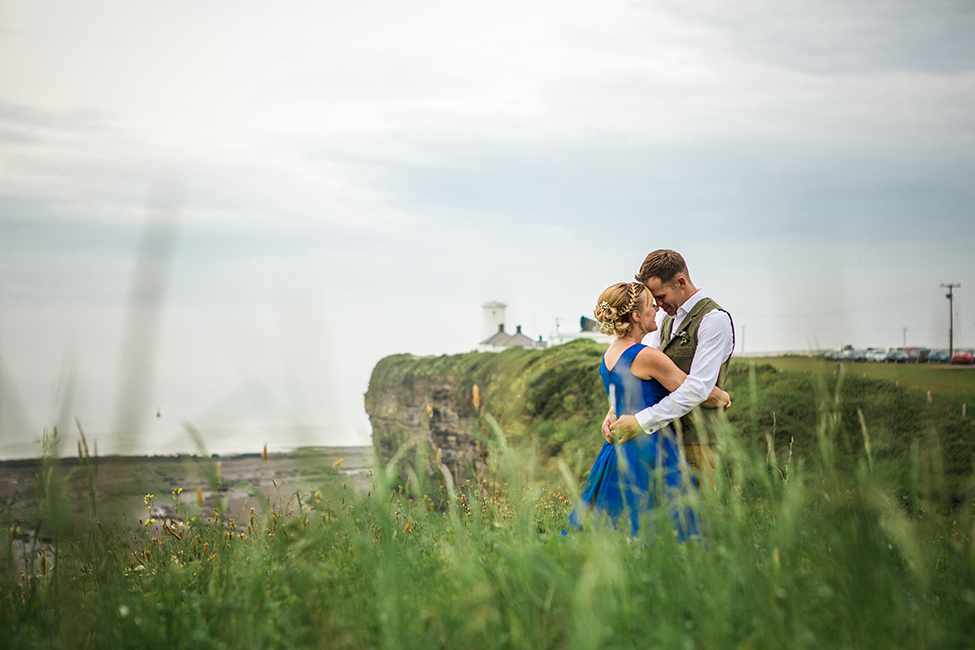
(688,305)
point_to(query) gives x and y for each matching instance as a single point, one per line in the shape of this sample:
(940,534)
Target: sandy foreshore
(122,482)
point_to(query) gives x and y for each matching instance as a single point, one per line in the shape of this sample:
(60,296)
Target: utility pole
(951,317)
(905,336)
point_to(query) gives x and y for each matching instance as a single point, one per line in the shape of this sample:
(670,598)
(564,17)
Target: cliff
(552,398)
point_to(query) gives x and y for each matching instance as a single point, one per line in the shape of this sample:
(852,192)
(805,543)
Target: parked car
(918,354)
(963,356)
(858,355)
(939,356)
(840,353)
(897,355)
(876,354)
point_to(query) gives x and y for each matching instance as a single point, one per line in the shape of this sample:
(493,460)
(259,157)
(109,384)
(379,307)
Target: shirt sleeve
(714,346)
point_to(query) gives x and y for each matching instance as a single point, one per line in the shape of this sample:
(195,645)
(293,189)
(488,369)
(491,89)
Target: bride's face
(648,315)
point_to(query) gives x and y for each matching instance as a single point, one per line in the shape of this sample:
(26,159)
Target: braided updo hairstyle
(615,305)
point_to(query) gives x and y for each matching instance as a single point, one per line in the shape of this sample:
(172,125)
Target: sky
(221,215)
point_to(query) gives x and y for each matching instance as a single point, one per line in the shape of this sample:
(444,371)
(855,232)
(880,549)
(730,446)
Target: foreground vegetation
(833,547)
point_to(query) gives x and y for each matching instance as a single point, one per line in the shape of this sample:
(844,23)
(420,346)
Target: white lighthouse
(493,318)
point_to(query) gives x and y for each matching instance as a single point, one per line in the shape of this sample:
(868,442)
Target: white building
(495,339)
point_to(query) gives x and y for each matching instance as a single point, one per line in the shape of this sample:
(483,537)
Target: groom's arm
(714,346)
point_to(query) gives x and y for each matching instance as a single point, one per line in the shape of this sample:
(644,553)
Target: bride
(629,480)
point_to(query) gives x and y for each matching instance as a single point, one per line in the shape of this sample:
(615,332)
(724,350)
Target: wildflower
(338,463)
(476,396)
(148,500)
(264,453)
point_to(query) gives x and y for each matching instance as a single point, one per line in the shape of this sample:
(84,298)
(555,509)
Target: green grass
(946,381)
(802,551)
(784,400)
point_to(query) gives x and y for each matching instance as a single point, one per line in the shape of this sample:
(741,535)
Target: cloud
(841,37)
(393,166)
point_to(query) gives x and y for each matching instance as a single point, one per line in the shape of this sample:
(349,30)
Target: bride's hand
(607,424)
(718,399)
(626,428)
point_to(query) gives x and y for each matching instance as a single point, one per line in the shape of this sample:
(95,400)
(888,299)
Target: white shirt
(715,342)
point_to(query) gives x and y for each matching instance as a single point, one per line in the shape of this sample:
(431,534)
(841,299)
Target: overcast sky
(329,183)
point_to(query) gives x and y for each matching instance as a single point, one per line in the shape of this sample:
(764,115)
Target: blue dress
(648,472)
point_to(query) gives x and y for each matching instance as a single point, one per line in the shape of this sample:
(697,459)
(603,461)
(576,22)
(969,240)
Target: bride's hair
(615,305)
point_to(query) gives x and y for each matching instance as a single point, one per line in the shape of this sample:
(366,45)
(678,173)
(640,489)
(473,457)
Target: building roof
(502,340)
(499,339)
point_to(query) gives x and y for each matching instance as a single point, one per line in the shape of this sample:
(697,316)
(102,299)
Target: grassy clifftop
(553,400)
(797,404)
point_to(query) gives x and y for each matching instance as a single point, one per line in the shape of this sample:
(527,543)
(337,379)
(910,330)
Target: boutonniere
(685,338)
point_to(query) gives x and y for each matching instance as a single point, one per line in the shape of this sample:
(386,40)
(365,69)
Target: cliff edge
(552,398)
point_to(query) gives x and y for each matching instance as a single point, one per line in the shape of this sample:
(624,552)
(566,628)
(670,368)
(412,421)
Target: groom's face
(669,296)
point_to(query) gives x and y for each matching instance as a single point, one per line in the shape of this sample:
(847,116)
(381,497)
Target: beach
(116,487)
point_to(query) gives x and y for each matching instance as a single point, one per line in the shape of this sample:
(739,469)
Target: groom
(698,336)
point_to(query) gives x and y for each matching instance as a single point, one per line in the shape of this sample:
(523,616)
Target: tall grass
(800,552)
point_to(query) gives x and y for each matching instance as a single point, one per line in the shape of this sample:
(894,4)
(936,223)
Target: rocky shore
(121,483)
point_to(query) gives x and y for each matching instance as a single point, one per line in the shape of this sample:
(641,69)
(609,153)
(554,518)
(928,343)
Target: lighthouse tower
(493,318)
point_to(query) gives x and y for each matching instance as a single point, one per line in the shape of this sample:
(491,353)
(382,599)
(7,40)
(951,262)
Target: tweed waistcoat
(681,349)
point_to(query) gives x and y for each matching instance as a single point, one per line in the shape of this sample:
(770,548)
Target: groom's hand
(626,428)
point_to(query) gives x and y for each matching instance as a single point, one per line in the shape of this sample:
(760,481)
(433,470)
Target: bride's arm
(654,364)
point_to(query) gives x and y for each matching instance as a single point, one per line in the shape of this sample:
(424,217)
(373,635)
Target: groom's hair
(663,264)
